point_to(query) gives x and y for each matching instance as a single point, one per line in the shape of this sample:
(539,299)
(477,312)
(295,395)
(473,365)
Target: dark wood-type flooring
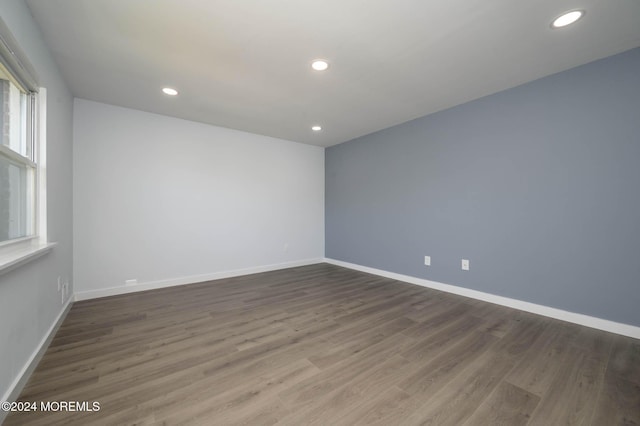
(329,346)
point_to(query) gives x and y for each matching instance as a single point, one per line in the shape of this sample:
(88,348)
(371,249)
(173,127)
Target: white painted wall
(29,298)
(158,198)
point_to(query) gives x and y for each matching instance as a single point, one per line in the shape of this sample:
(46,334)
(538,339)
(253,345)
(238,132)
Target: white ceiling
(245,64)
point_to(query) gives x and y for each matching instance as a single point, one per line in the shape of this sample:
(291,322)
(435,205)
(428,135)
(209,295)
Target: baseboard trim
(581,319)
(21,380)
(152,285)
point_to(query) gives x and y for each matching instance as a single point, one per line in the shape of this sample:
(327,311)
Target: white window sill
(23,253)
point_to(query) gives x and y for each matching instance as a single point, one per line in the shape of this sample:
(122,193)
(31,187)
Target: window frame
(14,252)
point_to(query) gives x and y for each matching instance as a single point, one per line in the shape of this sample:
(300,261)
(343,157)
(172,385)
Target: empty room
(306,212)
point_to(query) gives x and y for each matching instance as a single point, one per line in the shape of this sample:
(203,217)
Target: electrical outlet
(59,283)
(465,264)
(285,248)
(131,282)
(427,260)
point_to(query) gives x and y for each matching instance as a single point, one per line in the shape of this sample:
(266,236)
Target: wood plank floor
(324,345)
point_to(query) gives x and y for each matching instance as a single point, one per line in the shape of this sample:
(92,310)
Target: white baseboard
(152,285)
(18,384)
(581,319)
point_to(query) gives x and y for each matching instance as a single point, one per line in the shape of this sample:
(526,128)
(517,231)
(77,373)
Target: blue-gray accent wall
(538,186)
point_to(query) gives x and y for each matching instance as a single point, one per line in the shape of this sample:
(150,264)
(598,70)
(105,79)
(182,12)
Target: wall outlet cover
(465,264)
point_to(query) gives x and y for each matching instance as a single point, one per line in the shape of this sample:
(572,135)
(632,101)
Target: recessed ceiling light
(316,128)
(567,18)
(319,65)
(169,91)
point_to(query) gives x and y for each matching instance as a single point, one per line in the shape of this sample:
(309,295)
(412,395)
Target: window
(17,160)
(23,233)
